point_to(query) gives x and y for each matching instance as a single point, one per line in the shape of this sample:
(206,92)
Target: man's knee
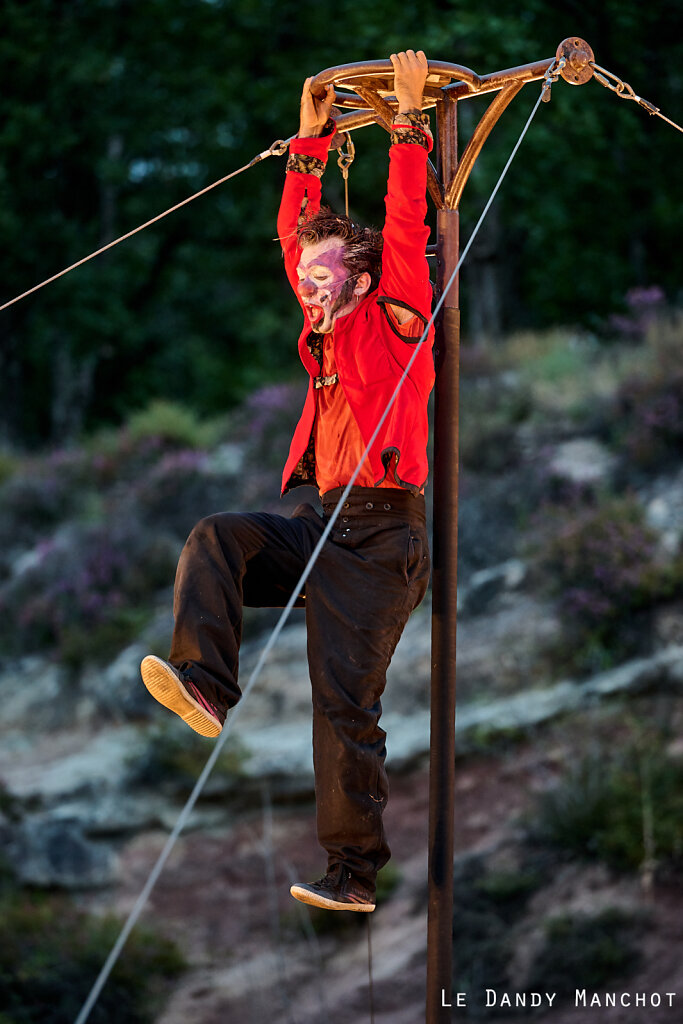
(219,525)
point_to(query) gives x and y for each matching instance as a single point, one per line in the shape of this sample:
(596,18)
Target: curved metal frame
(373,102)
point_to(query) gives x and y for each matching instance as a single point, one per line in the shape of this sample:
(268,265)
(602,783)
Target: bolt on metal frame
(372,102)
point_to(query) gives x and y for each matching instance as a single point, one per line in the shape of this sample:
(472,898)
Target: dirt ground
(255,955)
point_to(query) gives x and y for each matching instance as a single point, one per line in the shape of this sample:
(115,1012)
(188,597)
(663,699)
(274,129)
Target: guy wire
(276,149)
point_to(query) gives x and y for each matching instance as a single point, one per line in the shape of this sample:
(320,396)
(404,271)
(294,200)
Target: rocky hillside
(569,804)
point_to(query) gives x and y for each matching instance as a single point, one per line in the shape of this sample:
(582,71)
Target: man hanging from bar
(366,297)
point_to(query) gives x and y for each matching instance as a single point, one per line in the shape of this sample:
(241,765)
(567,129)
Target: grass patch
(8,466)
(624,808)
(583,951)
(490,414)
(569,373)
(174,758)
(176,424)
(51,954)
(486,903)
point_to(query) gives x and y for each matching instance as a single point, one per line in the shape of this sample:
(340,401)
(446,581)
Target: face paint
(325,287)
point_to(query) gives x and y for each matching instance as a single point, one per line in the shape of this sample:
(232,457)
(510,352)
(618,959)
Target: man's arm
(405,274)
(305,166)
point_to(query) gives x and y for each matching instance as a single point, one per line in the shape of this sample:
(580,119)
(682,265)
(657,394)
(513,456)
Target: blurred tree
(113,110)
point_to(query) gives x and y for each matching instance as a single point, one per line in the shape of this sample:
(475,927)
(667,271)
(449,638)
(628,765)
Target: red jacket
(370,354)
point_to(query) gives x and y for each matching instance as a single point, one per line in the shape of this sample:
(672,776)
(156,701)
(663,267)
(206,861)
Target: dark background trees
(113,110)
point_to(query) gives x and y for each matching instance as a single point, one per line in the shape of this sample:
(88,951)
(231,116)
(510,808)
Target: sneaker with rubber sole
(180,696)
(338,890)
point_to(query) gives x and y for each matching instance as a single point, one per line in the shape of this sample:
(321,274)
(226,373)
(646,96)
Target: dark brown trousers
(372,571)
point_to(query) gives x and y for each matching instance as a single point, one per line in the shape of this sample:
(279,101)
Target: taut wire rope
(625,92)
(278,148)
(284,615)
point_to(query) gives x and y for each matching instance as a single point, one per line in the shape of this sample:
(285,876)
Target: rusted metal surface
(362,74)
(443,697)
(444,592)
(379,75)
(348,99)
(474,146)
(446,133)
(384,111)
(499,79)
(384,116)
(578,55)
(434,187)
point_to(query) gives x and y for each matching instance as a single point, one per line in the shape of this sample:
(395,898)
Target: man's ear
(362,284)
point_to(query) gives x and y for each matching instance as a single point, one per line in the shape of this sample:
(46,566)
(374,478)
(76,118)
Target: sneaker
(181,696)
(338,890)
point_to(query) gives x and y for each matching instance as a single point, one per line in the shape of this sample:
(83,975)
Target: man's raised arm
(405,274)
(305,166)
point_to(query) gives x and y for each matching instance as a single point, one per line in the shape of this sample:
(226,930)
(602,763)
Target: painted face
(325,287)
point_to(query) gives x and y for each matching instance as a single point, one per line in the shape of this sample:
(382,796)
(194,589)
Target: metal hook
(551,76)
(344,160)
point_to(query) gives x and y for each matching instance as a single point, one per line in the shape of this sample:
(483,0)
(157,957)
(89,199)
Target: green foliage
(507,889)
(603,564)
(8,466)
(88,599)
(174,759)
(646,421)
(388,879)
(51,954)
(108,117)
(586,951)
(485,906)
(491,410)
(80,643)
(624,808)
(174,423)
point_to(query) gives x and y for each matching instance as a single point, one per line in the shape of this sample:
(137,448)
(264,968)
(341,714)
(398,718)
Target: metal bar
(447,141)
(444,596)
(383,70)
(467,83)
(384,116)
(499,79)
(383,110)
(474,146)
(435,187)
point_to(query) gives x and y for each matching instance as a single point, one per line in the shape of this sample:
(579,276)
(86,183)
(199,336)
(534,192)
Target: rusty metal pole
(444,594)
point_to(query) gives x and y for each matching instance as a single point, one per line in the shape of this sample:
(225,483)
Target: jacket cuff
(412,128)
(303,163)
(316,146)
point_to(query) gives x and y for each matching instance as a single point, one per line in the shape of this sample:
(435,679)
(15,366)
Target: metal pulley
(578,56)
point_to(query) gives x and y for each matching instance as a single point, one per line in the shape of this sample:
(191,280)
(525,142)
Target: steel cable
(626,92)
(234,713)
(276,149)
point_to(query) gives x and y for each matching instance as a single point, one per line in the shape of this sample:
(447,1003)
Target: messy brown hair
(362,246)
